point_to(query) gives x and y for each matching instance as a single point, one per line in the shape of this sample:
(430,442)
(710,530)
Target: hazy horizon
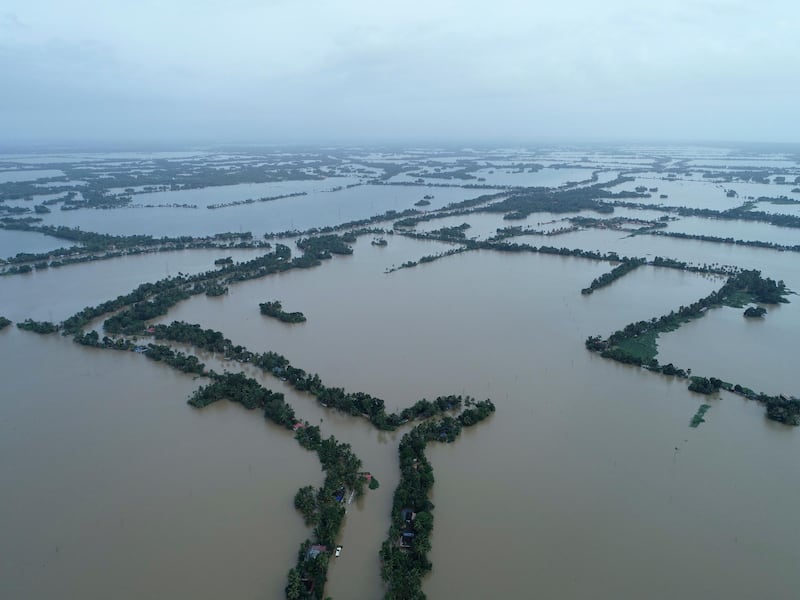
(282,73)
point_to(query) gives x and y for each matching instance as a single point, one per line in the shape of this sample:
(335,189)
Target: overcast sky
(299,71)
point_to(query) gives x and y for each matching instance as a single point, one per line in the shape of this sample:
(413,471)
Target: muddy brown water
(587,482)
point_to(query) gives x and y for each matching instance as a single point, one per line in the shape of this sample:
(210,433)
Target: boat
(338,551)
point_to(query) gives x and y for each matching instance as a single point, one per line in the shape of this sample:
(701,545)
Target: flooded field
(317,209)
(586,482)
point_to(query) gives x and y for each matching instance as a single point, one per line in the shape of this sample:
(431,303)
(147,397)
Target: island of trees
(274,309)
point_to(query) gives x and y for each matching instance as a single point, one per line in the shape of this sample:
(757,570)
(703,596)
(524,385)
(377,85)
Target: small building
(315,550)
(407,539)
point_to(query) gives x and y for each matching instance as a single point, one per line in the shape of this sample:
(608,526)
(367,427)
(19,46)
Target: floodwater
(55,294)
(317,209)
(725,344)
(586,483)
(581,454)
(117,488)
(28,175)
(13,242)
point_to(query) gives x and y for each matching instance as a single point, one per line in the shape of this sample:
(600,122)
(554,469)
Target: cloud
(355,69)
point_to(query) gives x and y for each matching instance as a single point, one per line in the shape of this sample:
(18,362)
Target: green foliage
(237,387)
(275,310)
(637,350)
(215,289)
(742,213)
(705,385)
(404,564)
(627,265)
(455,233)
(187,363)
(4,323)
(324,246)
(698,416)
(781,409)
(41,327)
(305,501)
(755,311)
(726,240)
(533,200)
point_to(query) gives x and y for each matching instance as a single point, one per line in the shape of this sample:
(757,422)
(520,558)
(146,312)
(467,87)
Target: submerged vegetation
(699,415)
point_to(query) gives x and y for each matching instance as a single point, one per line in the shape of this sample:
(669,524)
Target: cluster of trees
(132,321)
(727,240)
(740,213)
(626,266)
(42,327)
(515,247)
(781,409)
(92,339)
(705,385)
(97,246)
(323,246)
(186,363)
(427,259)
(237,387)
(755,311)
(527,202)
(404,566)
(275,310)
(762,289)
(454,234)
(206,339)
(671,263)
(214,289)
(347,225)
(4,323)
(254,200)
(357,404)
